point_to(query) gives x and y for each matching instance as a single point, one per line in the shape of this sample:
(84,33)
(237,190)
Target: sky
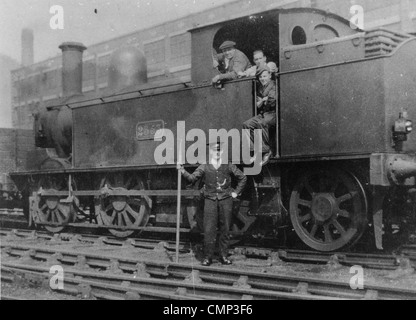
(86,21)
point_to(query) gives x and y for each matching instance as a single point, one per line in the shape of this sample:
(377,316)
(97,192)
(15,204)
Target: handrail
(185,84)
(400,34)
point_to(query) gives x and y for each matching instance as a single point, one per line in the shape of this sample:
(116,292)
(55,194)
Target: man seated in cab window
(235,62)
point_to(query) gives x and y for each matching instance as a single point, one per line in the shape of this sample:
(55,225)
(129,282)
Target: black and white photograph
(212,156)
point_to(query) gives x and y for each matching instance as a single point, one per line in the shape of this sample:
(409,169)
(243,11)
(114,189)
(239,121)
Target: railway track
(175,287)
(113,277)
(407,254)
(138,243)
(370,261)
(12,217)
(9,211)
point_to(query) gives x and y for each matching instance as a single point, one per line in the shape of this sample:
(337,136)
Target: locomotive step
(266,186)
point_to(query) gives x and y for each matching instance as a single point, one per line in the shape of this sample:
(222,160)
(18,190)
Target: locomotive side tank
(122,133)
(350,106)
(344,143)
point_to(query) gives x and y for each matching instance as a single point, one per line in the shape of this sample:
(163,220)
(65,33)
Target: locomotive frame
(332,78)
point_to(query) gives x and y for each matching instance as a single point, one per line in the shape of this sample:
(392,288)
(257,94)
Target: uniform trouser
(217,211)
(264,123)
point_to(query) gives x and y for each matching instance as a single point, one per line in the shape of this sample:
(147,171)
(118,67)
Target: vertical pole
(277,117)
(70,186)
(255,97)
(178,210)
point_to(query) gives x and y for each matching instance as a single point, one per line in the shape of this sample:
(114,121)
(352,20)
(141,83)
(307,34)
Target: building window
(103,65)
(88,70)
(180,49)
(50,79)
(155,52)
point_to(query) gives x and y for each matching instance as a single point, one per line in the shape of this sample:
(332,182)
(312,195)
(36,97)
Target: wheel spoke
(346,197)
(127,220)
(48,215)
(120,219)
(328,236)
(313,231)
(53,216)
(305,203)
(59,214)
(306,217)
(344,214)
(113,217)
(132,212)
(339,227)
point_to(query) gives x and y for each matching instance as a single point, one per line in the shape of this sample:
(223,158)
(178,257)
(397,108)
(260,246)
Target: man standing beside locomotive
(218,200)
(235,62)
(266,105)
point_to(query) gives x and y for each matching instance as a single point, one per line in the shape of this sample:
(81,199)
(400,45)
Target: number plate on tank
(147,130)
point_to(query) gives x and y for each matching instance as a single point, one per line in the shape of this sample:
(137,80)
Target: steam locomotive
(345,160)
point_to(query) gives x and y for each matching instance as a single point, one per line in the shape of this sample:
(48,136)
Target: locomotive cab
(286,38)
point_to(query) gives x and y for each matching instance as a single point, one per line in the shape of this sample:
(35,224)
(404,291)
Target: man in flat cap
(218,200)
(235,62)
(266,117)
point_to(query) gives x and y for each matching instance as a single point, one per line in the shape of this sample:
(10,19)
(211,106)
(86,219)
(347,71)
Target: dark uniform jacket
(218,182)
(238,63)
(268,91)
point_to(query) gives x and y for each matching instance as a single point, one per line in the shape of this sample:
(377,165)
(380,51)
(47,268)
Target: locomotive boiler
(345,155)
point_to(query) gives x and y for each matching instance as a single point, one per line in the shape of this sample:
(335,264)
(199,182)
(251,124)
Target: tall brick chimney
(406,23)
(27,47)
(72,68)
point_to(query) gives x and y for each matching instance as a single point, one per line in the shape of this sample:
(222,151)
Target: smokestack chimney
(27,47)
(72,68)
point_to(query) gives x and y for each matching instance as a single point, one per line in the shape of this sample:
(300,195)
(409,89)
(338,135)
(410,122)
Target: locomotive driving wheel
(56,211)
(125,211)
(53,209)
(328,209)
